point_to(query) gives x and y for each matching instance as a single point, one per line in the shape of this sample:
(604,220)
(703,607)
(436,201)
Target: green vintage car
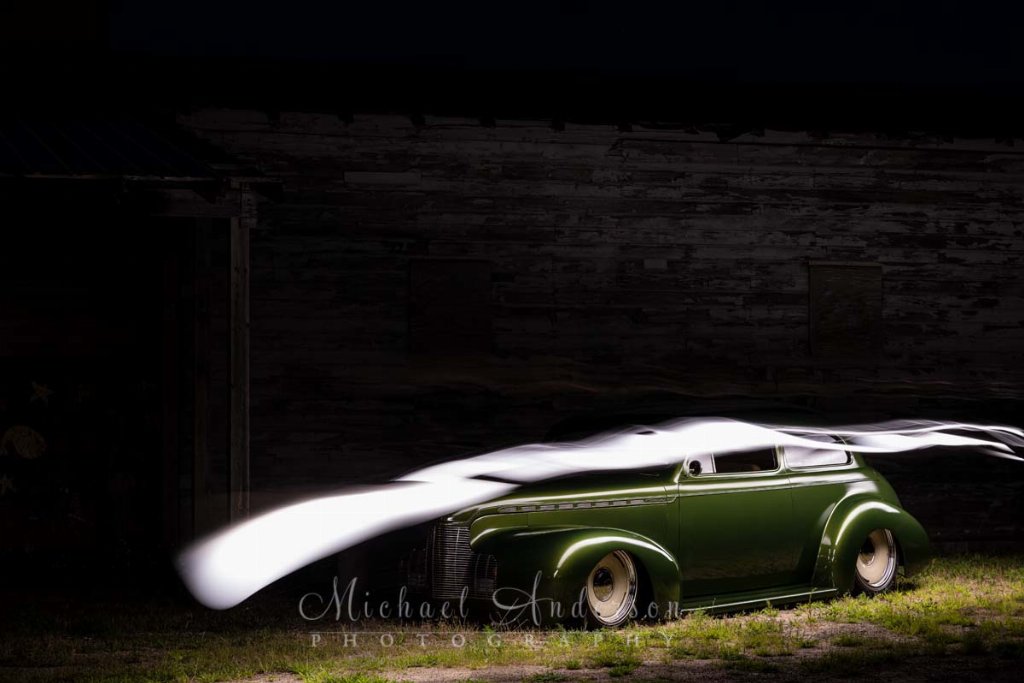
(717,531)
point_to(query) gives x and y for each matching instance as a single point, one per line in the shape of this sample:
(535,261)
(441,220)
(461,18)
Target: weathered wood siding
(621,264)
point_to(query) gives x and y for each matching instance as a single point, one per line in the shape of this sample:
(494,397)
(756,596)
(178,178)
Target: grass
(698,636)
(966,607)
(751,665)
(854,662)
(857,640)
(953,596)
(547,677)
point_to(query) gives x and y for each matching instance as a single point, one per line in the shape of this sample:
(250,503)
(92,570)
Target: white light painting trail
(228,567)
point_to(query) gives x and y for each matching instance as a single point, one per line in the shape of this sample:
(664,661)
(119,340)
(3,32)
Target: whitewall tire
(611,590)
(876,563)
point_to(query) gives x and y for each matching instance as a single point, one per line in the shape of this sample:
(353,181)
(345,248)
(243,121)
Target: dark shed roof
(94,148)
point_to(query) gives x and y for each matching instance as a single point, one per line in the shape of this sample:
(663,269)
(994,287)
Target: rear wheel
(876,563)
(611,590)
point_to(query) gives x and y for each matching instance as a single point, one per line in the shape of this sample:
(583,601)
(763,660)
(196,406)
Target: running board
(756,599)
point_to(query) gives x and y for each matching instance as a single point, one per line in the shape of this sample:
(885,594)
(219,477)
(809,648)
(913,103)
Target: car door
(736,524)
(820,478)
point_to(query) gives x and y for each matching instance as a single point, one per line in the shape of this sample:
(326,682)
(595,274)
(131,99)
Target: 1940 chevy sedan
(719,531)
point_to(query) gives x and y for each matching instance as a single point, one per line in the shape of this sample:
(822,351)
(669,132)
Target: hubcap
(604,584)
(876,562)
(611,588)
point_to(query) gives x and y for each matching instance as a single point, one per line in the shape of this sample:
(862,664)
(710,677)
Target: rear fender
(850,523)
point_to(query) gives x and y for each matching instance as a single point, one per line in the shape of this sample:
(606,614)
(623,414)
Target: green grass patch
(613,655)
(620,670)
(751,665)
(547,677)
(857,640)
(848,662)
(971,607)
(699,636)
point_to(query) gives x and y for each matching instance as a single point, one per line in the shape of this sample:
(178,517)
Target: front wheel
(877,562)
(611,590)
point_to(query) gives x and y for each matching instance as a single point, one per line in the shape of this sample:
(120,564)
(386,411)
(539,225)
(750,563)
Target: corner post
(238,416)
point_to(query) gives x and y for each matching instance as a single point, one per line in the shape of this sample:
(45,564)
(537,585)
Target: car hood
(592,486)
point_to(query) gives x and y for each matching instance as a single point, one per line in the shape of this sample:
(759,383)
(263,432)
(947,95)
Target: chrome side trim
(586,504)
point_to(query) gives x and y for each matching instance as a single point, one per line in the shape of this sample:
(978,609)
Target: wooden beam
(238,418)
(179,202)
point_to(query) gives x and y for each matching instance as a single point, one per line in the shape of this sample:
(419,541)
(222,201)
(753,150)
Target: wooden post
(201,378)
(169,385)
(238,417)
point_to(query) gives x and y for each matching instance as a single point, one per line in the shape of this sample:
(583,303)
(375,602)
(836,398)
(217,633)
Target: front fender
(555,562)
(850,523)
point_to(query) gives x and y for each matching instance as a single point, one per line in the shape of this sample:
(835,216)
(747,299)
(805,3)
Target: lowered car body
(727,531)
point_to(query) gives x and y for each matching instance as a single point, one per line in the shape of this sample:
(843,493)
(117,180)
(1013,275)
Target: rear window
(761,460)
(799,457)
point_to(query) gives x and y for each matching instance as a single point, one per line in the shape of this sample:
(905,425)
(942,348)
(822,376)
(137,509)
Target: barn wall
(621,264)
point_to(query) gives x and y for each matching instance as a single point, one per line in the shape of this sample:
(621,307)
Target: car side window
(760,460)
(799,457)
(702,464)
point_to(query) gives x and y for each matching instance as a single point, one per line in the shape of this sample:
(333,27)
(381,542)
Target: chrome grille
(454,565)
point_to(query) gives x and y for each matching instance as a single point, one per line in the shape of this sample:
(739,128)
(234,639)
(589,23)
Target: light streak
(225,569)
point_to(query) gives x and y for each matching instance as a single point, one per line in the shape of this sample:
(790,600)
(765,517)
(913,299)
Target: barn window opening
(450,306)
(845,316)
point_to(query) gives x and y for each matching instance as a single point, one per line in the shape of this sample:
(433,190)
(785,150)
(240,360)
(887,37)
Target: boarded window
(845,310)
(449,306)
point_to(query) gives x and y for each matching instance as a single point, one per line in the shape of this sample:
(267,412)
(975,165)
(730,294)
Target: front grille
(454,566)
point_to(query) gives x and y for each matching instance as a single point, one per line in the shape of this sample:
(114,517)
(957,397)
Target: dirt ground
(920,666)
(961,619)
(917,669)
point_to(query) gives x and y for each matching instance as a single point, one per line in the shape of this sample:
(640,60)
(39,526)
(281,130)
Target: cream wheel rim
(611,588)
(876,562)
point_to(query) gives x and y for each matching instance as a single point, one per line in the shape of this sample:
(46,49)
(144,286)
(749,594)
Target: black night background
(255,252)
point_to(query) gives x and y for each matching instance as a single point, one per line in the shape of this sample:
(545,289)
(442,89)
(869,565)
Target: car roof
(588,424)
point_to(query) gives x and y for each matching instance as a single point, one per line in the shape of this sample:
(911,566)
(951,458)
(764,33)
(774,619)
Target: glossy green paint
(850,523)
(565,556)
(712,540)
(737,533)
